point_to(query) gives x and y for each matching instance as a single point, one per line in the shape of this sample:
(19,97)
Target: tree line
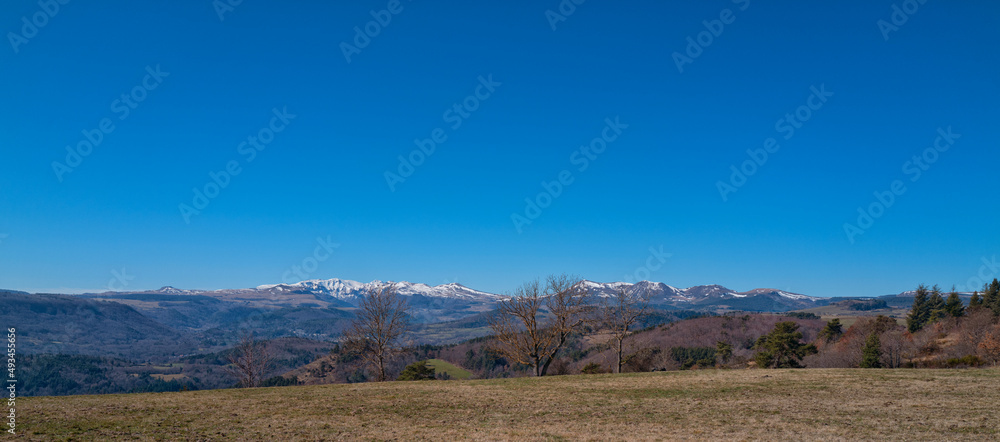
(533,327)
(940,331)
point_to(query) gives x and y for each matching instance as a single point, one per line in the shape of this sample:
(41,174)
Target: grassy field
(738,404)
(453,370)
(848,317)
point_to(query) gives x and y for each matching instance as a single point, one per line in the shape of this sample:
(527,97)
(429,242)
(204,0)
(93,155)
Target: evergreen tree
(919,313)
(953,306)
(871,354)
(935,306)
(991,296)
(723,352)
(782,347)
(833,330)
(417,371)
(976,301)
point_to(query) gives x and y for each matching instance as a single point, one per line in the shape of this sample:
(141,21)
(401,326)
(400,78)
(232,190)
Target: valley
(170,339)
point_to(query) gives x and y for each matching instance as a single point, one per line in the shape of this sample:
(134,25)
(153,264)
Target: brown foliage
(972,329)
(741,332)
(846,352)
(937,345)
(989,346)
(646,359)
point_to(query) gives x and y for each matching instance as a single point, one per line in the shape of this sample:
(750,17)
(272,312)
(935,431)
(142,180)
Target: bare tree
(566,303)
(893,344)
(375,334)
(533,324)
(249,360)
(618,314)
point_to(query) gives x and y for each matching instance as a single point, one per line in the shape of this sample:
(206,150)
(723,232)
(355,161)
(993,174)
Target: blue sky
(315,201)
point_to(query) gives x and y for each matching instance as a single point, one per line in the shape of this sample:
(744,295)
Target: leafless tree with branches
(533,324)
(376,333)
(249,360)
(618,314)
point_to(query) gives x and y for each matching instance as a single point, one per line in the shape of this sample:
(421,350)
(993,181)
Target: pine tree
(976,301)
(417,371)
(832,331)
(935,306)
(919,314)
(782,347)
(723,352)
(953,306)
(991,296)
(872,352)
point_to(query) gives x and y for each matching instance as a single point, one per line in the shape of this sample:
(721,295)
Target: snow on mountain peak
(172,290)
(347,289)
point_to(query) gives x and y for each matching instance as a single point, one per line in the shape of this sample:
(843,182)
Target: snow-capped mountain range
(660,290)
(454,301)
(707,297)
(348,290)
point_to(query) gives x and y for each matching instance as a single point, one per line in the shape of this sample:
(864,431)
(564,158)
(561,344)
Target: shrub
(689,357)
(593,368)
(965,361)
(417,371)
(644,360)
(800,315)
(279,381)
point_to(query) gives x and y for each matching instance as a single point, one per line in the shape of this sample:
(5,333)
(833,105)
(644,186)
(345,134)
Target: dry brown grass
(833,404)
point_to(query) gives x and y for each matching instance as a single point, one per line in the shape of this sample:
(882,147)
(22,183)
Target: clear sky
(114,111)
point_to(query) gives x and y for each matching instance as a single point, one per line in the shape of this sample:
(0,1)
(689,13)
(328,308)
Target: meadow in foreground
(707,404)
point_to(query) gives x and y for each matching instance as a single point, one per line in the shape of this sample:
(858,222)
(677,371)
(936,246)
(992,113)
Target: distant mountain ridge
(348,290)
(710,297)
(452,301)
(316,309)
(170,321)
